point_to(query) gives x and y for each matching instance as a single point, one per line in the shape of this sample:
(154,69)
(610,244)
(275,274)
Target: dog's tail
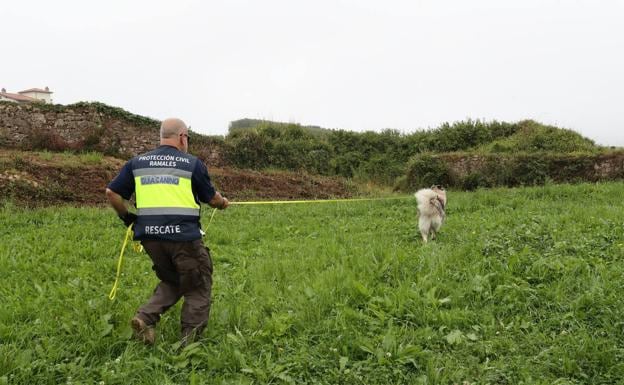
(425,195)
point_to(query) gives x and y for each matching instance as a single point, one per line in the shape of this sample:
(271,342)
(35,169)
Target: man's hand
(218,201)
(129,218)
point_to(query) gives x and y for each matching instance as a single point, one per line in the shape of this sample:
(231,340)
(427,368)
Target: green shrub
(523,169)
(426,170)
(318,160)
(346,164)
(572,168)
(381,169)
(248,150)
(473,181)
(529,170)
(496,171)
(203,146)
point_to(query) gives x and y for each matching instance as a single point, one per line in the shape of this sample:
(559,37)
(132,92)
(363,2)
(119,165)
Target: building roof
(18,97)
(46,91)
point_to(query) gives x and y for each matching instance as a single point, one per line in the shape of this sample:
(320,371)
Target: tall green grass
(523,286)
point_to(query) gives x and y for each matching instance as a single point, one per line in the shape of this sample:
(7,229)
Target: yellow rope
(314,201)
(113,291)
(306,201)
(212,216)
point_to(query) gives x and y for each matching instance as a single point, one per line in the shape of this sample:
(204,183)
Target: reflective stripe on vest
(164,191)
(162,171)
(167,211)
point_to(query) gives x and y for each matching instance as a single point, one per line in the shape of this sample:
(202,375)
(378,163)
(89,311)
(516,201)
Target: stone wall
(83,126)
(558,167)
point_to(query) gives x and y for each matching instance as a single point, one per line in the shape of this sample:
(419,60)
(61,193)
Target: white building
(28,96)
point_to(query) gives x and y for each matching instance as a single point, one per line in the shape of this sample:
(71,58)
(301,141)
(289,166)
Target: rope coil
(113,292)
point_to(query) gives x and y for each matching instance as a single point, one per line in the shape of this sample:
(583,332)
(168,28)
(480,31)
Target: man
(169,185)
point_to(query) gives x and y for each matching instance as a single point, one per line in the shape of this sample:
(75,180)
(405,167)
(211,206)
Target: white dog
(431,214)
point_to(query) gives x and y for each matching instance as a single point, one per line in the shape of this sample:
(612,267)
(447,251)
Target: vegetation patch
(382,157)
(104,109)
(470,171)
(473,153)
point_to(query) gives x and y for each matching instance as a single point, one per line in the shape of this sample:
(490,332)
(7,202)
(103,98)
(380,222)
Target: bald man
(169,185)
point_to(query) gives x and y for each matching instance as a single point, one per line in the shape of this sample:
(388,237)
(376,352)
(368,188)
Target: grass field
(523,286)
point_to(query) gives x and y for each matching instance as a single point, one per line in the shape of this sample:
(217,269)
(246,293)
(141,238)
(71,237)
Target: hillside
(238,126)
(309,161)
(41,178)
(531,136)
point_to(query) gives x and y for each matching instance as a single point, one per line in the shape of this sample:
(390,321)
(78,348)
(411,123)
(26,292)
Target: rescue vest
(166,206)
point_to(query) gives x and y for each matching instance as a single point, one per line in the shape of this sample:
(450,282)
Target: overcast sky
(351,64)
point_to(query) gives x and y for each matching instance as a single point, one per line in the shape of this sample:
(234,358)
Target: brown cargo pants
(185,270)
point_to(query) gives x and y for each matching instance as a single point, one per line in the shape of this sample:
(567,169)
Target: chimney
(3,90)
(47,89)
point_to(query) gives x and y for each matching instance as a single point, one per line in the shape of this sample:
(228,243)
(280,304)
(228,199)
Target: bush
(208,148)
(381,169)
(473,181)
(47,140)
(529,170)
(346,164)
(572,168)
(426,170)
(318,160)
(248,150)
(473,171)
